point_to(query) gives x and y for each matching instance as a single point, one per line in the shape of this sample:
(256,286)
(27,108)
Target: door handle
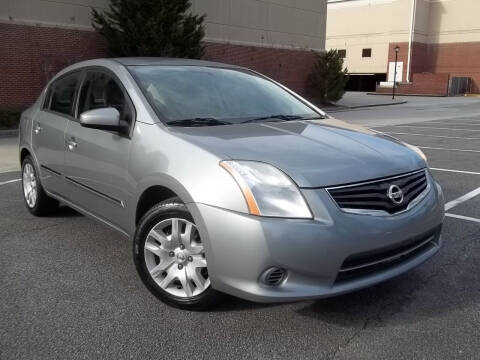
(72,144)
(37,128)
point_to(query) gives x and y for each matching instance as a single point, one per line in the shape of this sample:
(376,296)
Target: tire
(35,197)
(173,267)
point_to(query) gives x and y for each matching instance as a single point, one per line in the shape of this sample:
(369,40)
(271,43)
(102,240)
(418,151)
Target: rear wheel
(170,257)
(37,201)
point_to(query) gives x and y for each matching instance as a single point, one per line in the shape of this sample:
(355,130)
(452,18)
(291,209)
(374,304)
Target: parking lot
(68,286)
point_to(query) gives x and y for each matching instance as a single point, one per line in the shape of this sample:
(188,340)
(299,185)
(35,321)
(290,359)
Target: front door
(96,161)
(48,130)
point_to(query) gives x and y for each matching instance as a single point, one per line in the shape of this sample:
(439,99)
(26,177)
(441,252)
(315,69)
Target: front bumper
(240,247)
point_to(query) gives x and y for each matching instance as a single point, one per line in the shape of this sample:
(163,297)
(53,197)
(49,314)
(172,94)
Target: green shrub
(151,28)
(9,119)
(328,78)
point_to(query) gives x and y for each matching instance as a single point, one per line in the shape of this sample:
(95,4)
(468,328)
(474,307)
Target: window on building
(367,53)
(342,53)
(62,93)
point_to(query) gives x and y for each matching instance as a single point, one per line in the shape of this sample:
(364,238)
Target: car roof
(139,61)
(145,61)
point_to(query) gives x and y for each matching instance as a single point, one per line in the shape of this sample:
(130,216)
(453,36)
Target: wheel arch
(151,196)
(24,152)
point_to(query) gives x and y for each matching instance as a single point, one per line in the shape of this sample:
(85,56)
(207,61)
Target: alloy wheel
(175,258)
(30,190)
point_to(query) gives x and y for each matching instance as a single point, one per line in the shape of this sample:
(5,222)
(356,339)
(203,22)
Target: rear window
(62,94)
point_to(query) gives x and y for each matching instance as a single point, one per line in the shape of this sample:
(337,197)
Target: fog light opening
(273,276)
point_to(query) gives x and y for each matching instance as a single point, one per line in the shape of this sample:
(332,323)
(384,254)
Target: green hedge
(9,119)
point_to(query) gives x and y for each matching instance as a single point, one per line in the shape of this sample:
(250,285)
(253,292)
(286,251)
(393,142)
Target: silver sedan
(227,182)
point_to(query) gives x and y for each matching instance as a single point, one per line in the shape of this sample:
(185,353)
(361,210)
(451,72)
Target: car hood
(317,153)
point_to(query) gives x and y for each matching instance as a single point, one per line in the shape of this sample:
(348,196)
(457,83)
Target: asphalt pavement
(8,154)
(68,286)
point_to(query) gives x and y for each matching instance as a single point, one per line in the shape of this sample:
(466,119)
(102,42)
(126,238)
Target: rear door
(48,130)
(97,161)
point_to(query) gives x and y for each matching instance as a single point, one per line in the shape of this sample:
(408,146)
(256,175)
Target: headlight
(267,190)
(418,151)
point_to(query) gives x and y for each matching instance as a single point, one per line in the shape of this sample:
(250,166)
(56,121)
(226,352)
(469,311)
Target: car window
(100,90)
(63,93)
(183,92)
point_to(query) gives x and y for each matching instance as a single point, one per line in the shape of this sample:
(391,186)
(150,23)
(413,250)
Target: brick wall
(422,84)
(289,67)
(31,55)
(456,59)
(420,55)
(402,57)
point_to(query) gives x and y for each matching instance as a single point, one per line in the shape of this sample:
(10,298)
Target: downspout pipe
(410,41)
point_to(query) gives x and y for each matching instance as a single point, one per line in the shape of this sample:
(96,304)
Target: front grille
(360,265)
(373,195)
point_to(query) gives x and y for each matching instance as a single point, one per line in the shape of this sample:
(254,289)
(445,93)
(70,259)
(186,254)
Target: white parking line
(436,148)
(450,123)
(457,171)
(461,199)
(437,136)
(9,181)
(9,170)
(436,128)
(468,218)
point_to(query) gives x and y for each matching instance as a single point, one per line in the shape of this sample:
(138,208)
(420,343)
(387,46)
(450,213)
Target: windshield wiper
(319,117)
(275,117)
(199,121)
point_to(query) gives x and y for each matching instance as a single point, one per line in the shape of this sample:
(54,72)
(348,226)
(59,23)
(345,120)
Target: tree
(151,28)
(328,78)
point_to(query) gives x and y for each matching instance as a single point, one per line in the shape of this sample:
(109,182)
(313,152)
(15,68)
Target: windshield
(210,94)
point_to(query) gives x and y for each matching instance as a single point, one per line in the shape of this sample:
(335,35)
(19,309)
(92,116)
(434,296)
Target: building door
(364,82)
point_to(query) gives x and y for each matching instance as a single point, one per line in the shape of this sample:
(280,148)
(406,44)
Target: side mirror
(102,119)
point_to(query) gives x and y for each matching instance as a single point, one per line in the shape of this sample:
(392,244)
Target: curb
(401,94)
(8,133)
(348,108)
(376,105)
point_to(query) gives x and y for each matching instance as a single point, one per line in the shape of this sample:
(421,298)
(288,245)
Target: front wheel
(169,256)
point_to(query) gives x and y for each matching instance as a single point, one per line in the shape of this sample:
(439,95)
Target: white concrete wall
(422,17)
(454,21)
(63,13)
(358,24)
(282,23)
